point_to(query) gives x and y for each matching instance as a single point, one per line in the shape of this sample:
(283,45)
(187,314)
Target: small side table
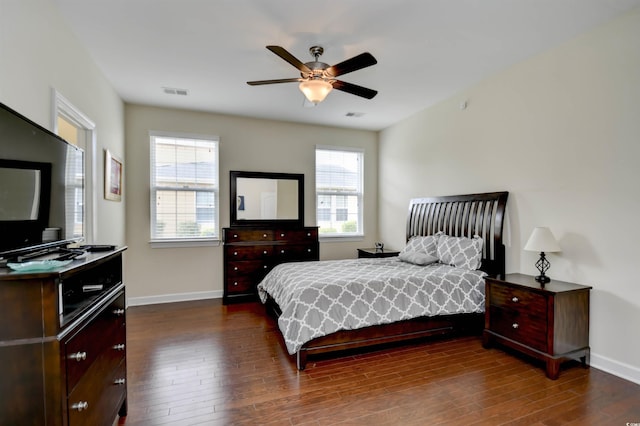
(550,322)
(373,252)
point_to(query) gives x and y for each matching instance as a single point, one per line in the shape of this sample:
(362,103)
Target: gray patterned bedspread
(319,298)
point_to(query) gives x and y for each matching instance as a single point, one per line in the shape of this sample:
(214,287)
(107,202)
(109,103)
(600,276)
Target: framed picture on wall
(113,169)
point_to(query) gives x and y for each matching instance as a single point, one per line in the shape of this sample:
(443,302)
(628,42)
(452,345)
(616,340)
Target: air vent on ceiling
(174,91)
(354,114)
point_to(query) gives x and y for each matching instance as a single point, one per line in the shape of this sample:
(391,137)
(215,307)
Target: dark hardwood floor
(202,363)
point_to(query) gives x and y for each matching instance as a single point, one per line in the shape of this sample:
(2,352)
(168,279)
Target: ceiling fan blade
(280,51)
(354,89)
(282,80)
(363,60)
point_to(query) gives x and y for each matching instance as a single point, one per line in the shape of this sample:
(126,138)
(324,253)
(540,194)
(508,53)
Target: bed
(435,286)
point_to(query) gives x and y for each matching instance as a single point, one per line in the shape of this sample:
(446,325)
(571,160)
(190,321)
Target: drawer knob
(308,234)
(119,381)
(309,250)
(235,283)
(282,235)
(264,266)
(235,253)
(118,312)
(264,252)
(515,325)
(515,299)
(282,251)
(80,406)
(119,347)
(235,235)
(235,268)
(78,356)
(264,235)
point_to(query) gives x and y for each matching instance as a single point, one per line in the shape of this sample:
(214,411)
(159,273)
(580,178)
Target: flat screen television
(41,187)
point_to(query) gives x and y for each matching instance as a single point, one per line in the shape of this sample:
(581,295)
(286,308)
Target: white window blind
(339,189)
(184,188)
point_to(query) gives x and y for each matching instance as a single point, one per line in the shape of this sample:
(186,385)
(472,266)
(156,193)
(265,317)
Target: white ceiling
(427,50)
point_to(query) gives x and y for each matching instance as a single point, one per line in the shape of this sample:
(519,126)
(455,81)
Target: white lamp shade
(315,90)
(542,240)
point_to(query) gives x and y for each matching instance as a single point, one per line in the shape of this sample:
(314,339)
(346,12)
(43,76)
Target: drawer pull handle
(515,299)
(119,347)
(79,356)
(80,406)
(119,381)
(118,312)
(515,325)
(235,235)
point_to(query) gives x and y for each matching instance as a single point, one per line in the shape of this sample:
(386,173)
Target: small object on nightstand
(375,252)
(542,240)
(550,323)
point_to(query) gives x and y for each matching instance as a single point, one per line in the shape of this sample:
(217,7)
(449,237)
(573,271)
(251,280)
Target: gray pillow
(424,244)
(417,258)
(461,252)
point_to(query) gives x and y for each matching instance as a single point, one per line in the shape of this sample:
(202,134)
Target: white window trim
(185,242)
(61,106)
(343,237)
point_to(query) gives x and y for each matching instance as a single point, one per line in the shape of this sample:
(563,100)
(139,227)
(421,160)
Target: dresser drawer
(106,330)
(519,325)
(297,235)
(240,284)
(97,393)
(235,253)
(296,252)
(240,235)
(248,267)
(518,299)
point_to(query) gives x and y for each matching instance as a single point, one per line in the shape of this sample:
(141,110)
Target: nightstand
(549,323)
(373,252)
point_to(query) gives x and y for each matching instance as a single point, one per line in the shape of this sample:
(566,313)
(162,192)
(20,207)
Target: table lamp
(542,240)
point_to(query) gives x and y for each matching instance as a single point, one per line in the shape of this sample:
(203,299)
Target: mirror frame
(234,175)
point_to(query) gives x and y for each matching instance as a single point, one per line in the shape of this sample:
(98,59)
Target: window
(184,188)
(339,176)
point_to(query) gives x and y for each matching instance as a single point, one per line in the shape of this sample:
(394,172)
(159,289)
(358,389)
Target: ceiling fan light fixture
(315,90)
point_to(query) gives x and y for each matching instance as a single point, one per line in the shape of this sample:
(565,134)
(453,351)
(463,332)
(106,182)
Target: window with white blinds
(184,188)
(339,188)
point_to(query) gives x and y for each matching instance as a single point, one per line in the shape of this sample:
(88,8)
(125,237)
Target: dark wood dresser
(550,323)
(62,343)
(249,253)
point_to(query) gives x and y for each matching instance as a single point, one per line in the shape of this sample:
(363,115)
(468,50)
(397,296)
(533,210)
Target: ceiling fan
(317,79)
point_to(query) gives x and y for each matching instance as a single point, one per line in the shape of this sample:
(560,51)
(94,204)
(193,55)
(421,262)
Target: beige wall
(38,53)
(159,274)
(561,132)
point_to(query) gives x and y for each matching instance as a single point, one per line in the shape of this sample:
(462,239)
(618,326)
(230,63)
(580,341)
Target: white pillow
(461,252)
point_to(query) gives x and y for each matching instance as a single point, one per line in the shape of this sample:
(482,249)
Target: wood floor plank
(202,363)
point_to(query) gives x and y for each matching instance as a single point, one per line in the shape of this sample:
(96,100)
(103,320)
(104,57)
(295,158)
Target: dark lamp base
(542,279)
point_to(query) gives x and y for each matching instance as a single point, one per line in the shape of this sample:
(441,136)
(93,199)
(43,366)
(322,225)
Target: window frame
(156,242)
(353,236)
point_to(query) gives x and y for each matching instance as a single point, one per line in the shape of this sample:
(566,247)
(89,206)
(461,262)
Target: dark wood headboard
(464,216)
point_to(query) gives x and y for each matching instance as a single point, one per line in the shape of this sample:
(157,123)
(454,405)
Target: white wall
(561,132)
(165,274)
(38,53)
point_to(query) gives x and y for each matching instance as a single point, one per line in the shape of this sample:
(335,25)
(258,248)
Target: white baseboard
(174,297)
(617,368)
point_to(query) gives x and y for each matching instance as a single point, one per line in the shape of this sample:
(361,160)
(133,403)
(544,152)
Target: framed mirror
(260,198)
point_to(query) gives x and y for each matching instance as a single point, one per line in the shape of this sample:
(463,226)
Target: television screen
(41,186)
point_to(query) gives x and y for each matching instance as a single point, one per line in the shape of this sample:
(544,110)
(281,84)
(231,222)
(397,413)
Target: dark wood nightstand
(550,323)
(373,252)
